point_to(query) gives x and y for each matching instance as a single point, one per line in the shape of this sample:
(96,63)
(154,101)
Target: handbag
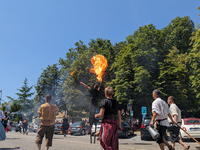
(2,132)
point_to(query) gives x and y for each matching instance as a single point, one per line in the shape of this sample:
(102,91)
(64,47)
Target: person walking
(161,112)
(65,125)
(5,120)
(87,127)
(25,125)
(47,113)
(20,125)
(2,129)
(111,123)
(173,129)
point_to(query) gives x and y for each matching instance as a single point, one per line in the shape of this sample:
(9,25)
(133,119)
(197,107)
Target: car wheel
(142,138)
(83,132)
(126,134)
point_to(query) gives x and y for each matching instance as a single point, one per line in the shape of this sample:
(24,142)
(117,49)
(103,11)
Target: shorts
(64,130)
(162,132)
(48,132)
(174,133)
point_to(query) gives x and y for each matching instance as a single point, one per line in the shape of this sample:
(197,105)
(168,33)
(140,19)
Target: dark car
(126,129)
(144,132)
(18,128)
(58,128)
(77,127)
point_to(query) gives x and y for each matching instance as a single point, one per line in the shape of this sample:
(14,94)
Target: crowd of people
(163,117)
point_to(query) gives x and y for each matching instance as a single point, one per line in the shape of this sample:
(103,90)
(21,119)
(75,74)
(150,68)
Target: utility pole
(66,108)
(0,96)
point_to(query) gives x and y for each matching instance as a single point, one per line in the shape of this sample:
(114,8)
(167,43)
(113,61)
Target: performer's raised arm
(85,85)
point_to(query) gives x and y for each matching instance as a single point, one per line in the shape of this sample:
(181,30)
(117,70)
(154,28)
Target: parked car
(144,132)
(57,127)
(191,126)
(17,128)
(35,128)
(77,127)
(126,129)
(97,129)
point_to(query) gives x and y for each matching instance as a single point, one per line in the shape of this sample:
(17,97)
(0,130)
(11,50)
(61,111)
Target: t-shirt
(65,123)
(94,93)
(110,105)
(48,114)
(175,111)
(162,109)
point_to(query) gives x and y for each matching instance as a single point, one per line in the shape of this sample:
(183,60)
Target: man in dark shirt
(65,125)
(110,112)
(94,93)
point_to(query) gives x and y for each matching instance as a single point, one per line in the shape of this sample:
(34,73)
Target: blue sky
(34,34)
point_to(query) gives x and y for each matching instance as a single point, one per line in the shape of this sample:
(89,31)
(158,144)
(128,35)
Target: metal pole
(0,96)
(66,108)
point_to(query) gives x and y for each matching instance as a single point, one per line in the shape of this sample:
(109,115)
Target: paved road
(15,141)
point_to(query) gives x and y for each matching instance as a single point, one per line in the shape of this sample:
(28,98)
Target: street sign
(131,113)
(129,107)
(144,110)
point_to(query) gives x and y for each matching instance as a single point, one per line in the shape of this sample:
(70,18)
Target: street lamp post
(66,108)
(0,96)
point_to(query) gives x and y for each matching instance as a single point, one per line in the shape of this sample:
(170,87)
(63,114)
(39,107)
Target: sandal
(187,148)
(171,148)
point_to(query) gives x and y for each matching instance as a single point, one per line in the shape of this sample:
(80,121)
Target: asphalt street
(18,141)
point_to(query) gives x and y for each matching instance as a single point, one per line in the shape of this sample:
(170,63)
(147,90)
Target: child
(110,112)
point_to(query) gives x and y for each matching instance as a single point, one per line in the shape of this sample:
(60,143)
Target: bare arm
(119,118)
(98,88)
(170,117)
(100,114)
(40,114)
(85,85)
(153,118)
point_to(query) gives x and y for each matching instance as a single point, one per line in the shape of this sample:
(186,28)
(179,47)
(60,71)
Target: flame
(73,72)
(100,63)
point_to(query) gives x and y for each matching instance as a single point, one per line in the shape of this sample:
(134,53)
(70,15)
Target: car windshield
(77,123)
(192,121)
(146,121)
(58,124)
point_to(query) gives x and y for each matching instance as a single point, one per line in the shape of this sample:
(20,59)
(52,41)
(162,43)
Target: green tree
(24,96)
(136,67)
(48,83)
(178,34)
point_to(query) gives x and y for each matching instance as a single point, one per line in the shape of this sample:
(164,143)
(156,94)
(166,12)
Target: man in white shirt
(161,112)
(174,130)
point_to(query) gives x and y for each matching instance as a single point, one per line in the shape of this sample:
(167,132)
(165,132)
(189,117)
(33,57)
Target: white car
(97,129)
(191,126)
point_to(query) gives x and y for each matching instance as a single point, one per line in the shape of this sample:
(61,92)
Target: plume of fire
(100,64)
(73,72)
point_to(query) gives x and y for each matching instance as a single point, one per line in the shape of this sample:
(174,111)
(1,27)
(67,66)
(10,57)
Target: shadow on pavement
(12,138)
(9,148)
(129,137)
(135,144)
